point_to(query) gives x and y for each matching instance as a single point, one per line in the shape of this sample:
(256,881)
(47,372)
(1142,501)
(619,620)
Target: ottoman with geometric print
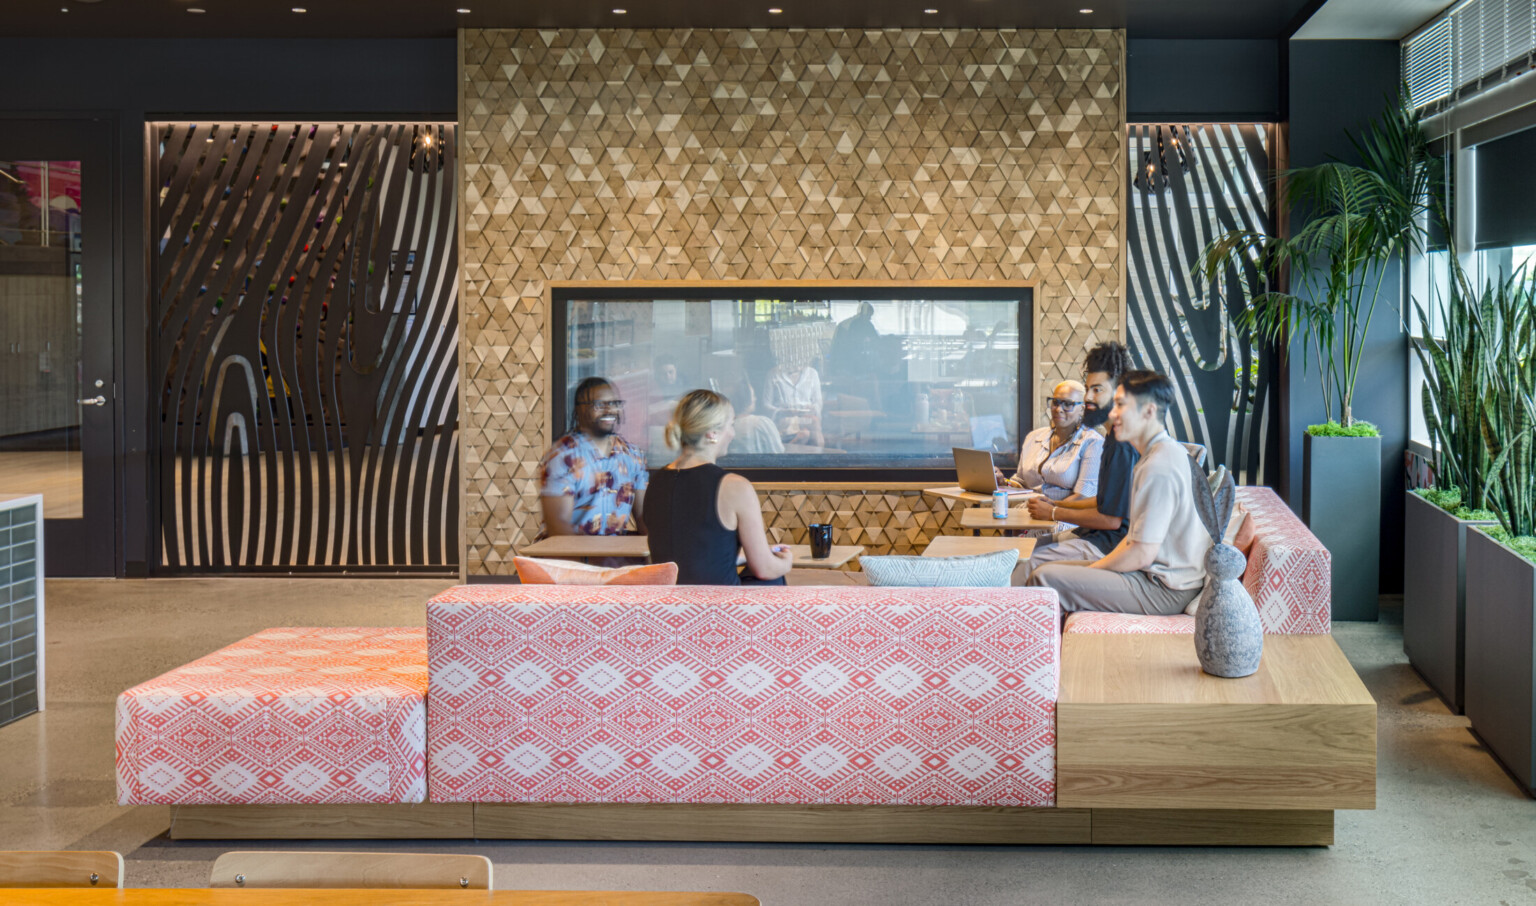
(286,716)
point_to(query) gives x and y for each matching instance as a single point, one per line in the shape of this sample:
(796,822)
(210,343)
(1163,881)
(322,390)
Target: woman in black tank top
(691,501)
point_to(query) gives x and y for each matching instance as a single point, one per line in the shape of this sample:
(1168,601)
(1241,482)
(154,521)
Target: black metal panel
(305,279)
(1204,180)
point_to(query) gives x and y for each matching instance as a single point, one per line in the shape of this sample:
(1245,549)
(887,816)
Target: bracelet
(1053,515)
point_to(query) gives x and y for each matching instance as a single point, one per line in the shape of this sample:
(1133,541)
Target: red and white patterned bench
(1288,575)
(286,716)
(854,695)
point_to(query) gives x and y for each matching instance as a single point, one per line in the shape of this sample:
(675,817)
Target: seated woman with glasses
(702,518)
(1061,460)
(592,480)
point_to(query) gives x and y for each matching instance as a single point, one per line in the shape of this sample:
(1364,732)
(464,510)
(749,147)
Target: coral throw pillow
(534,571)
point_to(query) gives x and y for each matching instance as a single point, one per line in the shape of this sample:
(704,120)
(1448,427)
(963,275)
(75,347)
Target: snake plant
(1509,404)
(1454,380)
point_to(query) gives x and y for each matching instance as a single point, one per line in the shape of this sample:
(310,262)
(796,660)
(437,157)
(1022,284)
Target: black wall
(131,82)
(1335,88)
(1178,80)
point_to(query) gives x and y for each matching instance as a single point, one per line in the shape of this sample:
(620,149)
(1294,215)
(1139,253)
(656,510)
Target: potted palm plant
(1358,222)
(1436,519)
(1501,560)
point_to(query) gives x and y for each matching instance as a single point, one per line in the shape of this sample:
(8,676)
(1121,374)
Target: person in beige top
(1159,567)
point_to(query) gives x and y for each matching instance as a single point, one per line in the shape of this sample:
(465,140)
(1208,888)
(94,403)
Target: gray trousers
(1081,587)
(1053,548)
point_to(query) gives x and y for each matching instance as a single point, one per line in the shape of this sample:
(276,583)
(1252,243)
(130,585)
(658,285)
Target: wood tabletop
(1163,670)
(955,492)
(841,554)
(370,897)
(581,546)
(1140,726)
(1018,518)
(967,545)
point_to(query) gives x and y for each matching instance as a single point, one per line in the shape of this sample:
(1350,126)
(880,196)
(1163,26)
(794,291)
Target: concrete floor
(1450,825)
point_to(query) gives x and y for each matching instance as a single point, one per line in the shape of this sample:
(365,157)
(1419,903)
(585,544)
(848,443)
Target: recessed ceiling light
(462,10)
(63,9)
(1085,11)
(196,10)
(620,12)
(300,9)
(774,11)
(931,12)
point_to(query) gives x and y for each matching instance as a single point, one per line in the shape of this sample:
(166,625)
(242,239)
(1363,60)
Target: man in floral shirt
(592,480)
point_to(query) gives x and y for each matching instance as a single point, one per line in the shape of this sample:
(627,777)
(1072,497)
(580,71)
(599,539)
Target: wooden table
(1140,726)
(955,492)
(588,547)
(978,518)
(841,554)
(966,545)
(371,897)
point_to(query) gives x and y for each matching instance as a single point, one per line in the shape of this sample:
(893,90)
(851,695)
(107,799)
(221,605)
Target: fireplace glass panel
(840,380)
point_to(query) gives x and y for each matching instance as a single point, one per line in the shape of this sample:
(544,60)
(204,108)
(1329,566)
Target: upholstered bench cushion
(1097,623)
(931,696)
(1289,571)
(1288,575)
(284,716)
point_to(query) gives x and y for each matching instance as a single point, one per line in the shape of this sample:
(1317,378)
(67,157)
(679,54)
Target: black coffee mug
(821,541)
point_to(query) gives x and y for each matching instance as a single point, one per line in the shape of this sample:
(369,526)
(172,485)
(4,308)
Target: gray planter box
(1501,640)
(1435,596)
(1341,504)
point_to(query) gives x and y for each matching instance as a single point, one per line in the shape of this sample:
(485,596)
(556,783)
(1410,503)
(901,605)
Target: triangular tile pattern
(764,155)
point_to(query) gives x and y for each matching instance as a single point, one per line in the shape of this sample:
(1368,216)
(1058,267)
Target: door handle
(93,401)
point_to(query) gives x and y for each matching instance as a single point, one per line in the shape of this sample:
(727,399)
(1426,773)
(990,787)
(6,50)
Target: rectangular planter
(1341,504)
(1435,596)
(1501,642)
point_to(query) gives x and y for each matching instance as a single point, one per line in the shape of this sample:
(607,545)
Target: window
(864,379)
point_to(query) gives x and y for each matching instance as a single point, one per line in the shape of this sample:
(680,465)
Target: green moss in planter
(1334,429)
(1524,545)
(1449,499)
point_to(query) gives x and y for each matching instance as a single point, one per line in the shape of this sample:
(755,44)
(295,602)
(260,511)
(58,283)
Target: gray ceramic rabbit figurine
(1229,638)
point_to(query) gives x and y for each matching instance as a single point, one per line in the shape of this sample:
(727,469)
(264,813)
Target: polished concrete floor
(1450,825)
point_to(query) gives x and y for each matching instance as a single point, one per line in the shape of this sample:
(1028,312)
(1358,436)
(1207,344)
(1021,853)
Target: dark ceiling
(439,18)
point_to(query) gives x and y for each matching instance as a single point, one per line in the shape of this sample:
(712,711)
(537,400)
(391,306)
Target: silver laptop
(974,469)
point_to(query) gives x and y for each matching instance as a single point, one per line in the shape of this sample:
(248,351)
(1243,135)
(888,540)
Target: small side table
(589,547)
(978,518)
(966,545)
(841,554)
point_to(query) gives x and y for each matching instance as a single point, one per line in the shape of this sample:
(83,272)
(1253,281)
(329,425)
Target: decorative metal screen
(1189,184)
(306,346)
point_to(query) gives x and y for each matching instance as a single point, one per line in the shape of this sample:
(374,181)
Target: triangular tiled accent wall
(766,155)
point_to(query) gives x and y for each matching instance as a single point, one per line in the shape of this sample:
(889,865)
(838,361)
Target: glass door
(57,396)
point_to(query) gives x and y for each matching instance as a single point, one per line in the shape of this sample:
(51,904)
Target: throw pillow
(974,571)
(1245,534)
(1235,527)
(537,571)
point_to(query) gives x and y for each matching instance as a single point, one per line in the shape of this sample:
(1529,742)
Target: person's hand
(999,477)
(1040,507)
(782,552)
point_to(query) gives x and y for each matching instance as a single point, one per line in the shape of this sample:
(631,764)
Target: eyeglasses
(1068,405)
(605,405)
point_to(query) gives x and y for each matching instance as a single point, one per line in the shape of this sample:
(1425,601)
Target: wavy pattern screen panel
(306,347)
(1204,179)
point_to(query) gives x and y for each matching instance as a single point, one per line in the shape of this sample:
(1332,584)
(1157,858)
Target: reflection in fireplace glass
(837,380)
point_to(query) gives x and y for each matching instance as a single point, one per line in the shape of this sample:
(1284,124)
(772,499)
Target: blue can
(999,504)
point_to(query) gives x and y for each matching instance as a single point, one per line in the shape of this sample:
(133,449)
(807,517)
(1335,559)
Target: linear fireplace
(880,380)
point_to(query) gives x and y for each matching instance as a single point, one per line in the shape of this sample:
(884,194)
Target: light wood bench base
(757,823)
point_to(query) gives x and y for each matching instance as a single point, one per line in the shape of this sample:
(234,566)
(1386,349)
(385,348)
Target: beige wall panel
(766,155)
